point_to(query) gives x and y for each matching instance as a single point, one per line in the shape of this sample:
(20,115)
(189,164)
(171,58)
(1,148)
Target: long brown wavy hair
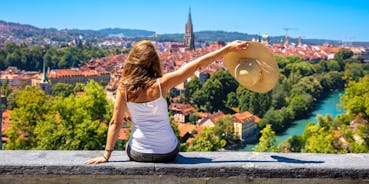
(141,69)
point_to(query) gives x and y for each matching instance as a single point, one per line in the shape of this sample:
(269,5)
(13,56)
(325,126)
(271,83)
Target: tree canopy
(31,58)
(68,123)
(267,140)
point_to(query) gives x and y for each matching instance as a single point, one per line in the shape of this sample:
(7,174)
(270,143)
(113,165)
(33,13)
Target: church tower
(189,36)
(44,84)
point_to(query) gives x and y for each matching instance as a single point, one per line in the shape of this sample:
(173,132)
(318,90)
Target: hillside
(19,31)
(24,31)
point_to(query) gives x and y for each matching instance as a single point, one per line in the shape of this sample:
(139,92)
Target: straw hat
(254,68)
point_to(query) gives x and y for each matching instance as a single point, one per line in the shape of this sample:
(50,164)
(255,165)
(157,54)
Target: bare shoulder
(163,86)
(167,81)
(151,93)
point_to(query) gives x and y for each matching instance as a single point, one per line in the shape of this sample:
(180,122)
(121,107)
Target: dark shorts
(151,157)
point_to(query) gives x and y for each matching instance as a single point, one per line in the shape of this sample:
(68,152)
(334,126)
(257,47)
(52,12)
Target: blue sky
(345,20)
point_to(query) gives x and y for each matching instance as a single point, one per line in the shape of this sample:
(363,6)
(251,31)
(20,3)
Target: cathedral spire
(189,16)
(189,36)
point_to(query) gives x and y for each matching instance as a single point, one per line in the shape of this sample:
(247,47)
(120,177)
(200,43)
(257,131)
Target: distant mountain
(210,36)
(127,32)
(24,31)
(213,36)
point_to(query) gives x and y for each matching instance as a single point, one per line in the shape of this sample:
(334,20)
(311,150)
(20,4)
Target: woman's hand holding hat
(237,45)
(253,65)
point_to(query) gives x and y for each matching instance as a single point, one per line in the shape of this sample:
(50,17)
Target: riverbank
(327,105)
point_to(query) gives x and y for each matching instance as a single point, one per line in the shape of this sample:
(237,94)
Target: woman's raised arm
(172,79)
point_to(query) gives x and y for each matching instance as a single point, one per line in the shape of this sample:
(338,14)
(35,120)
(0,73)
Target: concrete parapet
(193,167)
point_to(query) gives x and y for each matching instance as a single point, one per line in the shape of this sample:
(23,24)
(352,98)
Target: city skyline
(331,19)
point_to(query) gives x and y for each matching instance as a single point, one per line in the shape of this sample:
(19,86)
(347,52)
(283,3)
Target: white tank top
(151,130)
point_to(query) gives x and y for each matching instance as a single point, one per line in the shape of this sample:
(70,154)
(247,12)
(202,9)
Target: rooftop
(245,117)
(199,167)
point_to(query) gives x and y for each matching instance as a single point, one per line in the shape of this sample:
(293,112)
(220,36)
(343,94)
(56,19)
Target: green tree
(62,89)
(256,103)
(232,100)
(284,61)
(341,56)
(320,140)
(358,139)
(199,98)
(267,141)
(5,88)
(36,59)
(73,122)
(29,111)
(309,85)
(333,65)
(331,81)
(228,82)
(72,125)
(52,57)
(206,141)
(300,68)
(279,119)
(191,88)
(356,97)
(301,104)
(10,47)
(292,144)
(15,59)
(213,95)
(78,87)
(279,95)
(194,117)
(224,129)
(3,62)
(322,66)
(354,71)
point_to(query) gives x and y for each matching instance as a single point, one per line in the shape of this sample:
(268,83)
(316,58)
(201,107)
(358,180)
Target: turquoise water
(326,106)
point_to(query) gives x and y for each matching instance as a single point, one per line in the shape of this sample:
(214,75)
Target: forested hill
(212,36)
(119,32)
(23,31)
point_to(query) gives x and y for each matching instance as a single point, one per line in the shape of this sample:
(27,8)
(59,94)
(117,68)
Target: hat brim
(266,62)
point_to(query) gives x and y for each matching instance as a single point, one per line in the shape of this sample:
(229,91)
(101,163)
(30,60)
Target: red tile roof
(305,52)
(185,109)
(245,117)
(81,93)
(74,73)
(185,128)
(212,116)
(215,116)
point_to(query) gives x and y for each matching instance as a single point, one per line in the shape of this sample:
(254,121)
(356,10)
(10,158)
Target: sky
(345,20)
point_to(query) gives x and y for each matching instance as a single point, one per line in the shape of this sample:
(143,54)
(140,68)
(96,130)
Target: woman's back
(151,130)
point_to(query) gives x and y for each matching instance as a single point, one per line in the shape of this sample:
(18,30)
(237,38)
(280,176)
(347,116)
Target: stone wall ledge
(190,165)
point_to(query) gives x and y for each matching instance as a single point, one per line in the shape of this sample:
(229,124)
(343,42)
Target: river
(327,106)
